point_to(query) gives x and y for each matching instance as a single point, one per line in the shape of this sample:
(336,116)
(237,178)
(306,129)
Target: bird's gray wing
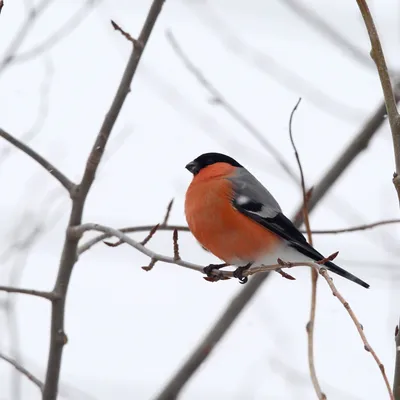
(253,200)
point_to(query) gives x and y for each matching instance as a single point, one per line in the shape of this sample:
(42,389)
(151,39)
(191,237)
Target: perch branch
(79,230)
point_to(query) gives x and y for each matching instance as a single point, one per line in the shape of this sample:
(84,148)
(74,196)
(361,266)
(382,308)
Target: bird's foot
(211,277)
(238,273)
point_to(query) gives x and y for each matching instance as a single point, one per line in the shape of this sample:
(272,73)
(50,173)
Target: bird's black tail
(340,271)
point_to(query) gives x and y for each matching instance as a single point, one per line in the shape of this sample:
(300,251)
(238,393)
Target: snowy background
(130,330)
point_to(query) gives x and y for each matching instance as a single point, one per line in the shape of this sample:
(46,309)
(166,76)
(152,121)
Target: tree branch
(37,293)
(69,254)
(51,169)
(394,120)
(396,382)
(390,100)
(23,371)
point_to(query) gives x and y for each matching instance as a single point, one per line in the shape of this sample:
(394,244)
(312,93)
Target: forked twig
(314,274)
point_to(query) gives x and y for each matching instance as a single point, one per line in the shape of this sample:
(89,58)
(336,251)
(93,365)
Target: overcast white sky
(129,330)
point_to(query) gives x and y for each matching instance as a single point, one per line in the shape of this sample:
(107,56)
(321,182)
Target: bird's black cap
(207,159)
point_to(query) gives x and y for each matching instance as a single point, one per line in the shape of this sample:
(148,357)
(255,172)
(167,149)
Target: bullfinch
(232,215)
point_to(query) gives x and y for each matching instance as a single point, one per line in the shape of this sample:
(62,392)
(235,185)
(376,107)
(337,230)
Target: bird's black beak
(192,167)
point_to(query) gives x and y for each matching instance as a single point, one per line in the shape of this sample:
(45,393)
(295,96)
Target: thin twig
(149,267)
(124,33)
(23,371)
(355,228)
(314,274)
(181,228)
(152,229)
(1,5)
(150,235)
(40,160)
(37,293)
(167,213)
(227,105)
(176,245)
(69,253)
(359,327)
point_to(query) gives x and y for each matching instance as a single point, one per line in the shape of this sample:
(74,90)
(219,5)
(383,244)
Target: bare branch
(396,381)
(181,228)
(23,371)
(359,327)
(227,105)
(314,274)
(355,228)
(394,120)
(70,186)
(79,230)
(390,100)
(38,293)
(1,5)
(150,235)
(69,253)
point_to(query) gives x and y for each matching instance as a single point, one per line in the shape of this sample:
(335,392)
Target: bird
(233,216)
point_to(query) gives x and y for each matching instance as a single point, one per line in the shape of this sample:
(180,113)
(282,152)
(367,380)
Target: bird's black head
(207,159)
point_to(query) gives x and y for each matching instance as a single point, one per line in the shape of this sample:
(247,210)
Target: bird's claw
(209,272)
(238,273)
